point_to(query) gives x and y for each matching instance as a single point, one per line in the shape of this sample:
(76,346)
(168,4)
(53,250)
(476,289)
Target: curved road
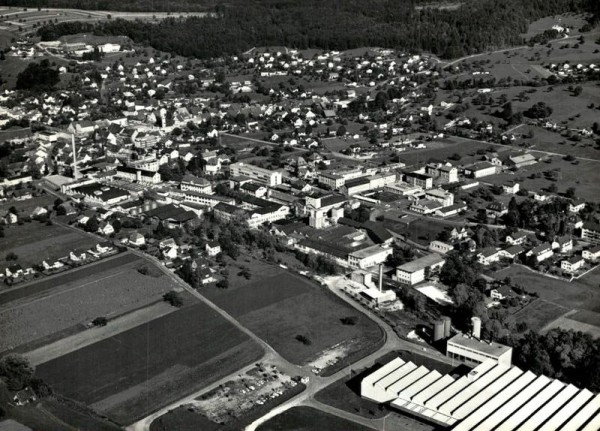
(315,384)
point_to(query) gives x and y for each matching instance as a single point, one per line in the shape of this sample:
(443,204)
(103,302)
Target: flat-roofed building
(491,396)
(413,272)
(369,256)
(472,351)
(264,176)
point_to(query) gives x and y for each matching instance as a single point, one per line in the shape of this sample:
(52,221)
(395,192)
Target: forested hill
(476,26)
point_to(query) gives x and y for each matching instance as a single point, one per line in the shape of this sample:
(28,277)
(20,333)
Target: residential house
(590,231)
(576,205)
(541,252)
(592,254)
(137,239)
(573,264)
(510,188)
(511,252)
(563,244)
(106,228)
(488,256)
(501,292)
(496,209)
(516,238)
(212,248)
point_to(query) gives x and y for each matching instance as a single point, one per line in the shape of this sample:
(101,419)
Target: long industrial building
(492,396)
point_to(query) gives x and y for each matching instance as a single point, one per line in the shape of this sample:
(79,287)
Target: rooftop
(421,263)
(491,348)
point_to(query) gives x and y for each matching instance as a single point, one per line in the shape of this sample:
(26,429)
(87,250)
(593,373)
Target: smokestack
(476,324)
(381,277)
(75,170)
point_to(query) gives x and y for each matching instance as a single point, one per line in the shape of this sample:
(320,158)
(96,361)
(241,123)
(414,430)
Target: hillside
(474,27)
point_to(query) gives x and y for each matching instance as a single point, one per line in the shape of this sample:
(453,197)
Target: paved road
(392,344)
(316,383)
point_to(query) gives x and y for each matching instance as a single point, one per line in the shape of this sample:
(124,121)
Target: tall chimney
(75,170)
(381,277)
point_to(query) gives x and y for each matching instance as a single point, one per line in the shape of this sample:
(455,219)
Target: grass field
(282,306)
(309,419)
(50,414)
(134,373)
(583,176)
(64,302)
(539,313)
(592,278)
(562,304)
(35,242)
(572,295)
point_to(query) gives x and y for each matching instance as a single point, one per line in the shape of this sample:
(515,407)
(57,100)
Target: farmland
(134,373)
(52,306)
(282,306)
(35,242)
(309,419)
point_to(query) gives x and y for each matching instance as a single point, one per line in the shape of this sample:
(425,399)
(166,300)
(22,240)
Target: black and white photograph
(299,215)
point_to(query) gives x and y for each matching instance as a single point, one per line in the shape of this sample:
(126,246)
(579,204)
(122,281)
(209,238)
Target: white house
(137,239)
(592,254)
(564,244)
(573,264)
(212,248)
(541,252)
(488,256)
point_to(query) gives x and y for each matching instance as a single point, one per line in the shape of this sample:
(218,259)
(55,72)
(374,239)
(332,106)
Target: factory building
(492,396)
(261,175)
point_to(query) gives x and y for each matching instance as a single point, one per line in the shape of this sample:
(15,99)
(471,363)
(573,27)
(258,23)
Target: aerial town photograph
(286,215)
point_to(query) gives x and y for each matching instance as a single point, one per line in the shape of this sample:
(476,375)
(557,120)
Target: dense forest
(476,26)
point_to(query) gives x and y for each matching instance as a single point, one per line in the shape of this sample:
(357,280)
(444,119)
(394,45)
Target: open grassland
(282,305)
(138,371)
(309,419)
(587,322)
(35,242)
(566,305)
(573,295)
(583,176)
(61,304)
(592,278)
(539,313)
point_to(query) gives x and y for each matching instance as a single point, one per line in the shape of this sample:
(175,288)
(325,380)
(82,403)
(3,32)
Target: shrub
(304,340)
(100,321)
(173,298)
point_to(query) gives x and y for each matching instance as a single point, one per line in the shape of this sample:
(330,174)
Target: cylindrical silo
(447,325)
(438,330)
(476,324)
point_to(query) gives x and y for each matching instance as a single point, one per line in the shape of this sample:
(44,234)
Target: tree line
(476,26)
